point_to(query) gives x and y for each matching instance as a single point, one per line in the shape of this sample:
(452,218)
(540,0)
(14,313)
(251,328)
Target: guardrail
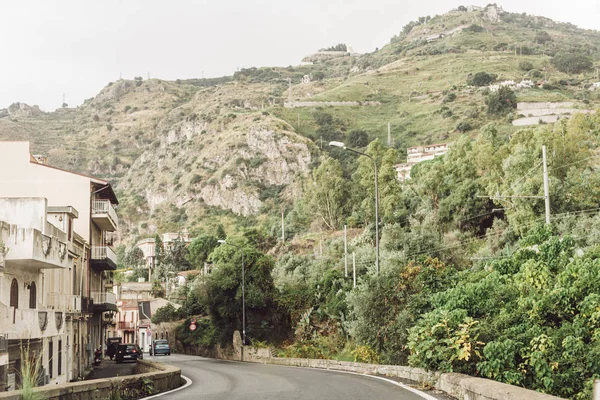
(105,207)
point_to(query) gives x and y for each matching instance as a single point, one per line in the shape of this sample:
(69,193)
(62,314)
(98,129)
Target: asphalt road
(218,379)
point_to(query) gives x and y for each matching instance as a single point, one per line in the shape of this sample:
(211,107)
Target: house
(419,154)
(69,208)
(128,327)
(147,246)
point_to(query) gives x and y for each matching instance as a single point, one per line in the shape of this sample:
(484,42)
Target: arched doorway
(14,297)
(32,296)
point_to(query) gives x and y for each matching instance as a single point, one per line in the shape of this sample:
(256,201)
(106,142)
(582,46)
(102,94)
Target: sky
(75,47)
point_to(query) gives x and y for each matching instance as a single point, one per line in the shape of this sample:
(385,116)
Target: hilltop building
(419,154)
(55,274)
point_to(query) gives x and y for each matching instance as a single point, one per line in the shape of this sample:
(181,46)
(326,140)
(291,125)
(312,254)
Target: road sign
(193,320)
(149,332)
(192,327)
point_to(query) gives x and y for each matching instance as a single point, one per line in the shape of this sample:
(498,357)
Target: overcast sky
(51,47)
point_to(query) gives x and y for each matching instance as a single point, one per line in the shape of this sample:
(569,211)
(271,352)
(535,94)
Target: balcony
(104,215)
(30,323)
(64,302)
(126,326)
(104,301)
(30,249)
(103,258)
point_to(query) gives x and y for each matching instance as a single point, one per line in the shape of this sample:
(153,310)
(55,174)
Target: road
(217,379)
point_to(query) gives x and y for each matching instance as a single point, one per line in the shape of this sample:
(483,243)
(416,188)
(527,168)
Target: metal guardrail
(103,252)
(104,297)
(105,207)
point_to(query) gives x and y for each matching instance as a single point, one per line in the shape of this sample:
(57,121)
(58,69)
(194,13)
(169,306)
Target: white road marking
(188,382)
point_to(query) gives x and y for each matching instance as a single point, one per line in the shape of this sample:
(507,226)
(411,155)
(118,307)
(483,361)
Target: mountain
(195,153)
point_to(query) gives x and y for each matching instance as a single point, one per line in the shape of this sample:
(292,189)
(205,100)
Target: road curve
(217,379)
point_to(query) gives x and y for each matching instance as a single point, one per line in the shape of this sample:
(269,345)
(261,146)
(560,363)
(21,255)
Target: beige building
(69,296)
(419,154)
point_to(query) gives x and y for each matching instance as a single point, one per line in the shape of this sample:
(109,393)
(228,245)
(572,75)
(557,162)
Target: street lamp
(243,289)
(343,146)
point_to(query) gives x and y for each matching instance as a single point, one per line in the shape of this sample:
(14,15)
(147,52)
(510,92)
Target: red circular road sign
(192,327)
(193,320)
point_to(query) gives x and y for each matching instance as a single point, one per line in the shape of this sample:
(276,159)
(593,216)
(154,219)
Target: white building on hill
(419,154)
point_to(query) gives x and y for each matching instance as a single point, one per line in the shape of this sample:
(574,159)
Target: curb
(188,382)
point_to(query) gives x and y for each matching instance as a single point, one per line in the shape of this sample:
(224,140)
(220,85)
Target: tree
(328,192)
(220,233)
(159,251)
(501,102)
(200,249)
(571,63)
(525,66)
(358,138)
(223,292)
(176,255)
(365,176)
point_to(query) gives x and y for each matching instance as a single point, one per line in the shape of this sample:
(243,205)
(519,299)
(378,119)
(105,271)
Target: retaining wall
(463,387)
(160,377)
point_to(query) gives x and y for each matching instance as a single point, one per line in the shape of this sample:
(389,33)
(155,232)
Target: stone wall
(157,377)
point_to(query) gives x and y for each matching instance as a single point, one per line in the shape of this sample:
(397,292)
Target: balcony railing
(126,325)
(104,301)
(103,209)
(64,302)
(104,258)
(29,248)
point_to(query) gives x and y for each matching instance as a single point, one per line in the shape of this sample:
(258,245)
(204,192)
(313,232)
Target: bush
(464,126)
(542,37)
(482,79)
(318,76)
(450,97)
(474,28)
(501,102)
(525,66)
(572,63)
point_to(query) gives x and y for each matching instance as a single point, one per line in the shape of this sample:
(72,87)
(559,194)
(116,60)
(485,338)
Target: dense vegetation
(467,284)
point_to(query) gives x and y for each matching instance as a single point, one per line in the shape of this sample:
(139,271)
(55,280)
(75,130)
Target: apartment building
(79,213)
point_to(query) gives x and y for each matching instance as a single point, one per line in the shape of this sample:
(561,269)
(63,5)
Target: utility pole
(389,135)
(282,227)
(546,189)
(546,195)
(354,268)
(345,251)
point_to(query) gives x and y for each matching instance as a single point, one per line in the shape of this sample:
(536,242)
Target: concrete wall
(162,377)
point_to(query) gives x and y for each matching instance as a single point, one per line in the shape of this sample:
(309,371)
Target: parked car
(160,346)
(128,352)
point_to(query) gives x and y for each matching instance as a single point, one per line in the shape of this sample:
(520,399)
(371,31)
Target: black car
(128,352)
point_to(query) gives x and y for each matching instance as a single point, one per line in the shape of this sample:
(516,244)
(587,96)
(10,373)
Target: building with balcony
(35,314)
(83,208)
(419,154)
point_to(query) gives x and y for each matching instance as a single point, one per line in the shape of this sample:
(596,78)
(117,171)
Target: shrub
(542,37)
(450,97)
(525,66)
(474,28)
(318,76)
(358,138)
(501,102)
(482,79)
(464,126)
(572,63)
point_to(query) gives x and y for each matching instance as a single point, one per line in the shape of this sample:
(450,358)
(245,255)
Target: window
(32,295)
(60,357)
(50,353)
(14,297)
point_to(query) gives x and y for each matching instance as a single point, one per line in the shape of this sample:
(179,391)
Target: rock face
(230,169)
(20,110)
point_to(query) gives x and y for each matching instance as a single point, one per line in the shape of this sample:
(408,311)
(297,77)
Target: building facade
(417,154)
(44,207)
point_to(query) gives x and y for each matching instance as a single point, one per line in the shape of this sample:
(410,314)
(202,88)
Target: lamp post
(243,289)
(343,146)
